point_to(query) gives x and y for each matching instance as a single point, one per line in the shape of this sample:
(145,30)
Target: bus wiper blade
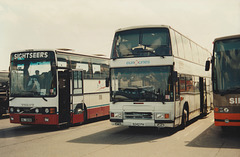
(44,98)
(143,48)
(231,90)
(12,98)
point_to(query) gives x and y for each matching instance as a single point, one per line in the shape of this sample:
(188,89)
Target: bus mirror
(174,76)
(207,65)
(107,82)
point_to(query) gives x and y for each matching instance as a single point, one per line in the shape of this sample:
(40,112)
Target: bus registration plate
(138,124)
(26,119)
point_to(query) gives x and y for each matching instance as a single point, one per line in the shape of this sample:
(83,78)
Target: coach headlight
(11,110)
(36,110)
(46,110)
(116,115)
(162,115)
(18,110)
(226,110)
(159,116)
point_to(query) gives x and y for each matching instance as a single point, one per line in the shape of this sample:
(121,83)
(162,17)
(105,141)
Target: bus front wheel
(184,119)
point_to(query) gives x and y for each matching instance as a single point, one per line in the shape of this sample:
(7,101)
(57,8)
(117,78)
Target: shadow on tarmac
(125,135)
(215,137)
(129,135)
(25,130)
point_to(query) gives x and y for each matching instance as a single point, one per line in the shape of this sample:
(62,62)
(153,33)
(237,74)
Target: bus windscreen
(32,78)
(142,84)
(226,66)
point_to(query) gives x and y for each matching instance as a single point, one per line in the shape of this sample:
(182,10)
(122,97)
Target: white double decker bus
(158,78)
(54,87)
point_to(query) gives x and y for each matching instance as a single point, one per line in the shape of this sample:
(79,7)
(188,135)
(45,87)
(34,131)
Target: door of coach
(79,111)
(203,95)
(64,96)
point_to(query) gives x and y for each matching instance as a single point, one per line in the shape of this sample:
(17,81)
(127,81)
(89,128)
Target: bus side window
(177,90)
(182,83)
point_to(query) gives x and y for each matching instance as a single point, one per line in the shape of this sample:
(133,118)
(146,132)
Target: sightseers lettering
(29,55)
(234,101)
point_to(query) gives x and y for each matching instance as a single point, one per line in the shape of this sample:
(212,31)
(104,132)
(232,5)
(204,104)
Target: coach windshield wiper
(235,90)
(144,49)
(44,98)
(12,98)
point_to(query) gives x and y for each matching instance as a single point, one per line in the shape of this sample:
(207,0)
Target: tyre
(184,119)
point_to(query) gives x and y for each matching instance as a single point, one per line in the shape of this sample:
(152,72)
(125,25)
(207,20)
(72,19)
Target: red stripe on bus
(37,119)
(77,118)
(227,124)
(98,112)
(230,116)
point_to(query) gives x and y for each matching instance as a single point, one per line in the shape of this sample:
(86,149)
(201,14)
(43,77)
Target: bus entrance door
(203,95)
(64,96)
(78,107)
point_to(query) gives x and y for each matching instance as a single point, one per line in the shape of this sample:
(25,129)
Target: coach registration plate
(138,124)
(26,120)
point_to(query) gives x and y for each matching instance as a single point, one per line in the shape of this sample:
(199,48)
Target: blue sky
(88,26)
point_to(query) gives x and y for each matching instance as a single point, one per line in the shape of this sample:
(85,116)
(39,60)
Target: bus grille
(138,115)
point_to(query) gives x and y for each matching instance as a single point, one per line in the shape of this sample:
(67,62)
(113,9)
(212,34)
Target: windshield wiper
(230,91)
(144,49)
(44,98)
(12,98)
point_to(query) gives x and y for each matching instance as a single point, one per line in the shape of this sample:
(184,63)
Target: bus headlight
(116,115)
(18,110)
(37,110)
(159,116)
(46,110)
(50,110)
(11,110)
(162,115)
(226,110)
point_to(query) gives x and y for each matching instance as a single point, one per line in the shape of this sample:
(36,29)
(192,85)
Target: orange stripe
(230,116)
(227,124)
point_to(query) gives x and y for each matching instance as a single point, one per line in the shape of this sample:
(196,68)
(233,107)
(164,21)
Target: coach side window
(182,82)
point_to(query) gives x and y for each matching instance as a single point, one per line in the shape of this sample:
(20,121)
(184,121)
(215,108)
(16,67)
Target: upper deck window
(141,43)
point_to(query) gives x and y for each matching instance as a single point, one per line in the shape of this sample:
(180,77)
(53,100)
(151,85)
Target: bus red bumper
(227,119)
(51,119)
